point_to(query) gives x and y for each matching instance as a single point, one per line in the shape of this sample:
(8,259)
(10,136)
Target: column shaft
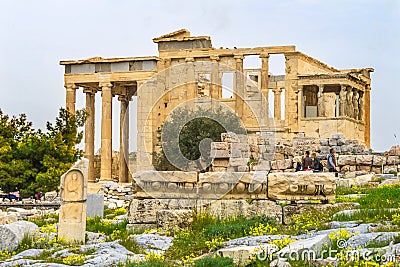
(89,133)
(239,85)
(106,132)
(277,105)
(321,102)
(124,141)
(70,97)
(264,87)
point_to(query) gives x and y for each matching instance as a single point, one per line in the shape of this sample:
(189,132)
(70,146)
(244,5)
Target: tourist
(307,162)
(317,165)
(331,164)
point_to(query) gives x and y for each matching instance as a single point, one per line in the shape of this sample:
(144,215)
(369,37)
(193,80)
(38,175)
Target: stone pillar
(144,126)
(342,100)
(215,79)
(277,105)
(70,97)
(367,115)
(239,85)
(321,102)
(300,104)
(124,140)
(264,86)
(355,104)
(106,132)
(89,132)
(350,110)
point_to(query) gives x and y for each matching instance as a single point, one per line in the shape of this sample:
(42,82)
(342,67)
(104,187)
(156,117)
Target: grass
(382,197)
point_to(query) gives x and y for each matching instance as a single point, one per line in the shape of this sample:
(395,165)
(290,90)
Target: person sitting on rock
(307,162)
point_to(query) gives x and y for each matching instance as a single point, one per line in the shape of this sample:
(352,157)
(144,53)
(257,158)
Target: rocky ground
(365,224)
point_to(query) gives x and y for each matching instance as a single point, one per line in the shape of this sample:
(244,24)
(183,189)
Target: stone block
(379,160)
(314,244)
(243,168)
(284,164)
(332,142)
(174,219)
(346,160)
(12,234)
(394,151)
(227,208)
(341,142)
(254,148)
(219,146)
(219,154)
(218,169)
(364,159)
(235,153)
(364,168)
(338,149)
(301,186)
(377,170)
(262,165)
(243,255)
(393,160)
(238,161)
(95,205)
(324,141)
(338,136)
(144,211)
(220,162)
(229,137)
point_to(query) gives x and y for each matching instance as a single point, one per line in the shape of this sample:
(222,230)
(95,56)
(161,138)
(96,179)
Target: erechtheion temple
(319,100)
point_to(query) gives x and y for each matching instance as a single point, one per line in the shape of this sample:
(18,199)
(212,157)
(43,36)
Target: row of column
(106,130)
(351,102)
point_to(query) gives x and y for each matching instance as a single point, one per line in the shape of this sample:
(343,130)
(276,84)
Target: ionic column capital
(214,58)
(277,90)
(105,84)
(264,55)
(238,57)
(70,86)
(89,90)
(189,59)
(124,98)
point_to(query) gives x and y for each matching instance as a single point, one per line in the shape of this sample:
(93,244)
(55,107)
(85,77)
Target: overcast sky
(36,35)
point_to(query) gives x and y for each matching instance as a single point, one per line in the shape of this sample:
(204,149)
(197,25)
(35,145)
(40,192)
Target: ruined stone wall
(264,152)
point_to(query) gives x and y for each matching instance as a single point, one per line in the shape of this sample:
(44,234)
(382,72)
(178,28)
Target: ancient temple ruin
(319,100)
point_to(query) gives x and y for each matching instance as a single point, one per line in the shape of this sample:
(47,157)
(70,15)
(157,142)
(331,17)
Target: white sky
(36,35)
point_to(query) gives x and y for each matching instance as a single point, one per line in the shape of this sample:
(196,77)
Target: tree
(186,138)
(32,160)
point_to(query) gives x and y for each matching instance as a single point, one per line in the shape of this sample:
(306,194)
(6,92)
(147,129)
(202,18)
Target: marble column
(367,115)
(277,105)
(70,97)
(124,140)
(89,132)
(239,85)
(342,100)
(106,132)
(355,104)
(216,93)
(321,102)
(299,103)
(264,86)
